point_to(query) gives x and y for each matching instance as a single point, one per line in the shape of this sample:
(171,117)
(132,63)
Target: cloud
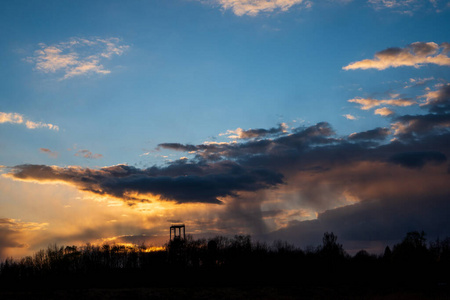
(437,120)
(438,101)
(408,6)
(15,118)
(228,170)
(308,170)
(52,154)
(373,134)
(418,81)
(417,159)
(384,111)
(77,56)
(421,124)
(192,182)
(349,117)
(369,103)
(88,154)
(374,224)
(240,133)
(12,232)
(413,55)
(254,7)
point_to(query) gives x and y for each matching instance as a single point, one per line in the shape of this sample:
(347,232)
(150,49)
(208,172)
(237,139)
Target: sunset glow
(279,119)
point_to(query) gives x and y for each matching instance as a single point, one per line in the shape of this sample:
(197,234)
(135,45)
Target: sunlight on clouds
(254,7)
(16,118)
(413,55)
(18,225)
(369,103)
(437,96)
(240,133)
(349,117)
(384,111)
(77,57)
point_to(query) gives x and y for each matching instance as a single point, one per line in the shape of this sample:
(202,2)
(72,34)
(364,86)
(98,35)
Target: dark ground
(244,293)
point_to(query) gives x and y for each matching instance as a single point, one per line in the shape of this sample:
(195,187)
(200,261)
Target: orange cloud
(413,55)
(254,7)
(384,111)
(368,103)
(16,118)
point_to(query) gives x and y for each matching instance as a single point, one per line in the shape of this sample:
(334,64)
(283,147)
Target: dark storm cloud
(380,222)
(439,101)
(261,132)
(216,180)
(373,134)
(310,168)
(308,158)
(178,147)
(417,159)
(421,124)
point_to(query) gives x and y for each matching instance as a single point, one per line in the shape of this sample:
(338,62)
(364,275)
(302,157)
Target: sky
(281,119)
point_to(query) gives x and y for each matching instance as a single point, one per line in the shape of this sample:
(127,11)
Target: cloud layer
(276,178)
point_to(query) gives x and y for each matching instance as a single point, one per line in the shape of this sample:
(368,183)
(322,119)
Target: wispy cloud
(88,154)
(77,56)
(350,117)
(254,7)
(413,55)
(369,103)
(18,225)
(50,153)
(16,118)
(413,82)
(408,6)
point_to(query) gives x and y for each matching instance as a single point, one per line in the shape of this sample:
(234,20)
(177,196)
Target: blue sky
(96,84)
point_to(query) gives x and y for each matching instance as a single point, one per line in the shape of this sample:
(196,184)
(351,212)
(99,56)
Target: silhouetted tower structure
(177,232)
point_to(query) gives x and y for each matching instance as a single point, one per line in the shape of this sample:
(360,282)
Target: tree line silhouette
(232,261)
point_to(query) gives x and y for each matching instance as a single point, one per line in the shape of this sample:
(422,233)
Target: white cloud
(413,55)
(77,56)
(16,118)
